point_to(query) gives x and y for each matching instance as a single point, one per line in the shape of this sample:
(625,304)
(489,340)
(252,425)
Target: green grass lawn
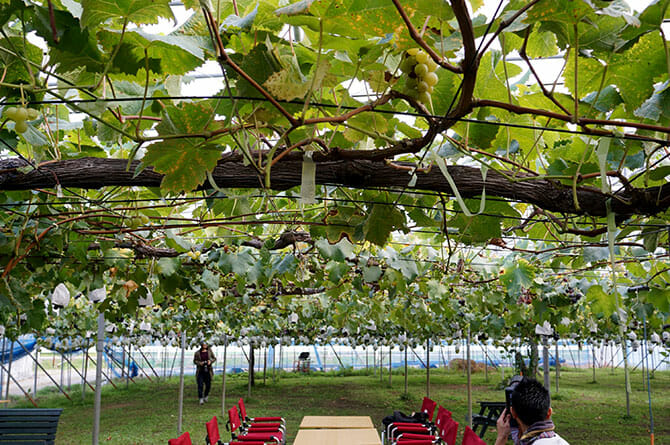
(146,413)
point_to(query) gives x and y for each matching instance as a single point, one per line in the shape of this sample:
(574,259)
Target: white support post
(223,390)
(98,378)
(181,383)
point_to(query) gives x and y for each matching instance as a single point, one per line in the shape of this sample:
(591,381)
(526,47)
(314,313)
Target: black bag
(399,416)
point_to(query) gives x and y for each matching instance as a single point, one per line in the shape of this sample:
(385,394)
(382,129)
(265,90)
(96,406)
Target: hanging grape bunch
(420,70)
(20,115)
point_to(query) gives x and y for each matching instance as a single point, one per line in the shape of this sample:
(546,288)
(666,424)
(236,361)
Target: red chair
(213,437)
(184,439)
(396,428)
(449,431)
(259,421)
(471,438)
(252,434)
(432,436)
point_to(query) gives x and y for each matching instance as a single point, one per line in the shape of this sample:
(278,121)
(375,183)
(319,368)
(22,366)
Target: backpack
(399,416)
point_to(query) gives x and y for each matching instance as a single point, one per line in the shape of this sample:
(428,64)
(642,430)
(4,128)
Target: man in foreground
(530,407)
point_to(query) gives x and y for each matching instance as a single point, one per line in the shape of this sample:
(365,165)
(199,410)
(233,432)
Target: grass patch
(146,413)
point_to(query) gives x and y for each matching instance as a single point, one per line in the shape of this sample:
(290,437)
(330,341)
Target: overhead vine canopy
(389,161)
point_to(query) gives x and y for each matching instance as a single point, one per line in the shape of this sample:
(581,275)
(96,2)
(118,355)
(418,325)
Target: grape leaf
(516,276)
(184,164)
(382,220)
(97,12)
(600,301)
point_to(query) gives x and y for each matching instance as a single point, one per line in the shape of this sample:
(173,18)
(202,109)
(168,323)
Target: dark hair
(531,401)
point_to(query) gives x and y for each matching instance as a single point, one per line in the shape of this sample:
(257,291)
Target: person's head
(531,401)
(204,346)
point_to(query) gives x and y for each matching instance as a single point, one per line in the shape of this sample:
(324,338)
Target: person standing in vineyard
(203,359)
(530,408)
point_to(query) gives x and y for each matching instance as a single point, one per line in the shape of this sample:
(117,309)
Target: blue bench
(33,426)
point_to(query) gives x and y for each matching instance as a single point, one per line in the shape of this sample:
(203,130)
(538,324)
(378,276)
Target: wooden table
(336,422)
(341,436)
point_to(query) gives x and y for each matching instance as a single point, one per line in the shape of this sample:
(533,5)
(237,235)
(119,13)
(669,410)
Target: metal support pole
(223,390)
(44,370)
(381,363)
(558,366)
(80,374)
(10,376)
(9,368)
(2,360)
(265,363)
(138,366)
(428,368)
(148,363)
(390,363)
(104,374)
(593,356)
(123,365)
(129,361)
(181,383)
(274,363)
(645,345)
(406,347)
(337,356)
(37,350)
(545,365)
(83,386)
(98,378)
(62,365)
(251,369)
(418,358)
(486,362)
(114,360)
(469,368)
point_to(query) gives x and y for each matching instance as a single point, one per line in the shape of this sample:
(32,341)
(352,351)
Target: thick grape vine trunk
(231,172)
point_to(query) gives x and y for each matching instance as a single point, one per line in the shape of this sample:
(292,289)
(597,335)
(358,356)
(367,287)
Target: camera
(514,381)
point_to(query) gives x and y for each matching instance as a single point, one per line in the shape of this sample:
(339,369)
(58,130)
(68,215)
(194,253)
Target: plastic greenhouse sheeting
(14,350)
(114,358)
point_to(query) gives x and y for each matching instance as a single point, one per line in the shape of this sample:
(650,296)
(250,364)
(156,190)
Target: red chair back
(243,409)
(234,419)
(213,431)
(184,439)
(428,407)
(471,438)
(442,415)
(449,431)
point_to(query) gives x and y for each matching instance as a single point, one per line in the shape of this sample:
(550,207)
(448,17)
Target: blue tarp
(115,358)
(14,350)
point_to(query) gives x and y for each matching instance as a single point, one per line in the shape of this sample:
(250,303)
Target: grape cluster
(20,115)
(420,69)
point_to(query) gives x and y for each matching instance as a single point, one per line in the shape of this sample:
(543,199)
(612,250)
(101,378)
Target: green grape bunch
(20,116)
(420,69)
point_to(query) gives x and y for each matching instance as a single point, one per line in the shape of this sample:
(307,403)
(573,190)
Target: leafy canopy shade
(453,172)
